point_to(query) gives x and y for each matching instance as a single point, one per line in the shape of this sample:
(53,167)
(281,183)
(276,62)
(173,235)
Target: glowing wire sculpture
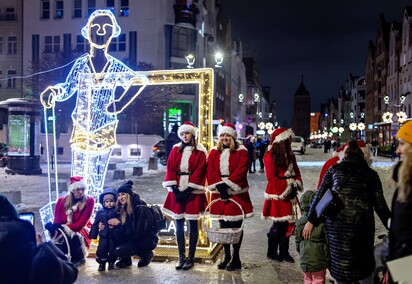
(95,115)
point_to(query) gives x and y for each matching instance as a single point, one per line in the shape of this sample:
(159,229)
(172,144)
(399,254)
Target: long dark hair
(353,148)
(282,154)
(192,142)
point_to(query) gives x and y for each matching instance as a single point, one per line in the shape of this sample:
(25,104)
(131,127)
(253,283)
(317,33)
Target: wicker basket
(223,235)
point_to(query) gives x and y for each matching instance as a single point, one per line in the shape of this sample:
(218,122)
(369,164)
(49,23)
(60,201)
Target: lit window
(91,6)
(45,9)
(11,79)
(124,8)
(12,45)
(77,8)
(59,9)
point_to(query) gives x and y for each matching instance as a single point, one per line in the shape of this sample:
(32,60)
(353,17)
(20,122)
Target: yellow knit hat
(405,132)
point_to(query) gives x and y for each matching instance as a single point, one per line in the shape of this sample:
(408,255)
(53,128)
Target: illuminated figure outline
(94,127)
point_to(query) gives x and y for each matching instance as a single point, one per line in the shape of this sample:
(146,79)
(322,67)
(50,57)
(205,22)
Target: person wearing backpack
(186,199)
(133,231)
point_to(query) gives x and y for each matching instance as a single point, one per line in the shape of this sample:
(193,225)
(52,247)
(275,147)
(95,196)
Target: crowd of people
(343,243)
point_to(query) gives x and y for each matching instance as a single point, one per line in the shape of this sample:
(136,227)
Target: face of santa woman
(78,193)
(225,139)
(186,137)
(122,197)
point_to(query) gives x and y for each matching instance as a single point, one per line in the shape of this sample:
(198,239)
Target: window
(110,5)
(52,44)
(181,42)
(91,6)
(59,9)
(60,151)
(11,79)
(135,152)
(118,44)
(81,44)
(124,8)
(1,77)
(77,8)
(10,15)
(45,9)
(12,45)
(117,152)
(1,45)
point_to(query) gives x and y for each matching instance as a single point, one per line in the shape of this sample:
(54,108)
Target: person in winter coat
(72,214)
(351,232)
(227,169)
(250,146)
(261,146)
(172,139)
(400,233)
(314,252)
(281,205)
(105,249)
(186,200)
(24,259)
(131,236)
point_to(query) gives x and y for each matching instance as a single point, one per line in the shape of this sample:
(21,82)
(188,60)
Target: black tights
(180,237)
(236,247)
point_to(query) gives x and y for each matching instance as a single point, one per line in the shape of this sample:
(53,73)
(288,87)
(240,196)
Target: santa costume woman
(185,180)
(72,214)
(280,204)
(227,169)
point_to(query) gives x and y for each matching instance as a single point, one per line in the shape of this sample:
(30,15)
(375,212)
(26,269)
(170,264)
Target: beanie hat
(107,193)
(306,200)
(126,188)
(228,128)
(281,134)
(7,209)
(187,127)
(76,182)
(405,132)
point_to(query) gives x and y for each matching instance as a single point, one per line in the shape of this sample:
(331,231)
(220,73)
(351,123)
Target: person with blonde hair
(400,233)
(186,199)
(72,215)
(227,169)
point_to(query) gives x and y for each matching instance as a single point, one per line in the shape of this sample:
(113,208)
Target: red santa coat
(193,162)
(80,224)
(329,163)
(230,168)
(278,206)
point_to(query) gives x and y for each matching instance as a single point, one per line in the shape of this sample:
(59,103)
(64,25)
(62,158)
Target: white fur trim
(181,215)
(277,219)
(169,183)
(187,128)
(184,167)
(224,162)
(202,148)
(231,218)
(76,185)
(232,185)
(283,136)
(228,130)
(196,186)
(70,233)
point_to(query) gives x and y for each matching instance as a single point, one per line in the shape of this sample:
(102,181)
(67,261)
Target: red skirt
(192,210)
(230,211)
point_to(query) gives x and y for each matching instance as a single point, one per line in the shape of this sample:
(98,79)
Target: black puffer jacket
(351,233)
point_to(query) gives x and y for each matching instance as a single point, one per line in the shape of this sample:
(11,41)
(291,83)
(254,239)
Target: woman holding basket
(227,168)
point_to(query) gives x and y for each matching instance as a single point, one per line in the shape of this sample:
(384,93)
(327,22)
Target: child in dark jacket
(106,245)
(314,254)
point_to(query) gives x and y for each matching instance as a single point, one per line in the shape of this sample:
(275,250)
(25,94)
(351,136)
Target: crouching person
(132,235)
(72,216)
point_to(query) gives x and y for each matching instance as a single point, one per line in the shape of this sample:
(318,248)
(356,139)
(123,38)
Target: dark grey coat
(351,233)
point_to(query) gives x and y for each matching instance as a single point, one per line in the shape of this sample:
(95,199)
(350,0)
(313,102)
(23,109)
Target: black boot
(123,262)
(226,259)
(284,250)
(273,243)
(111,266)
(190,261)
(102,266)
(235,262)
(181,244)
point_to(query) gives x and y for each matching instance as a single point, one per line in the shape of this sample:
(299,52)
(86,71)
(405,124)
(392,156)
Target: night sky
(322,40)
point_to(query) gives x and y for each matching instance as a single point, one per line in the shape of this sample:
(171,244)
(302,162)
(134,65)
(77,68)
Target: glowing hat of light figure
(99,13)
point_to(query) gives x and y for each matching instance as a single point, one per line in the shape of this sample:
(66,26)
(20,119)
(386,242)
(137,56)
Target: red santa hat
(187,127)
(281,134)
(76,182)
(228,128)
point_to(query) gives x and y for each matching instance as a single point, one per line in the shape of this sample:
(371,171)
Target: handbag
(329,205)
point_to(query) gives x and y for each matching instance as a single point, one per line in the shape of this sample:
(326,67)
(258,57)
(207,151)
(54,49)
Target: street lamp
(190,60)
(218,59)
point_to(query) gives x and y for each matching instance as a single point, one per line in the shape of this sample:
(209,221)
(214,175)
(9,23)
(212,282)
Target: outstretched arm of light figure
(117,106)
(48,97)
